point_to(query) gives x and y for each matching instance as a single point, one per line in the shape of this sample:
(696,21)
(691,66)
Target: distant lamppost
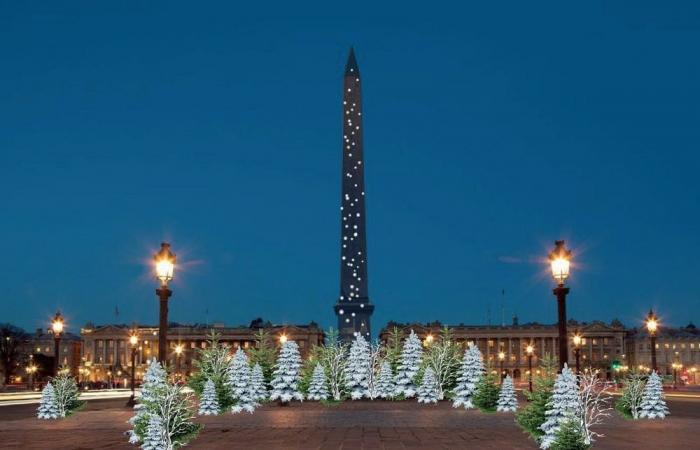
(165,266)
(529,350)
(577,351)
(283,338)
(652,324)
(501,358)
(133,342)
(676,367)
(428,340)
(31,370)
(178,353)
(560,261)
(57,327)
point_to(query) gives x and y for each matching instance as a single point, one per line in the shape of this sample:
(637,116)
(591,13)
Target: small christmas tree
(385,384)
(48,407)
(66,393)
(409,365)
(428,391)
(286,374)
(209,405)
(257,382)
(318,390)
(358,369)
(239,384)
(506,399)
(486,393)
(154,381)
(653,404)
(471,372)
(564,405)
(155,434)
(532,415)
(569,437)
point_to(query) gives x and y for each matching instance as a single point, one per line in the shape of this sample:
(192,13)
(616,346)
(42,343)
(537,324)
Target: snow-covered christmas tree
(428,391)
(257,382)
(385,384)
(471,371)
(66,393)
(208,404)
(653,405)
(286,375)
(564,405)
(155,434)
(506,398)
(318,390)
(239,383)
(154,381)
(358,368)
(48,407)
(408,367)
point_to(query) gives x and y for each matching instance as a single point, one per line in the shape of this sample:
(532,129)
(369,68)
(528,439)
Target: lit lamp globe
(133,340)
(652,323)
(529,349)
(283,339)
(577,340)
(57,324)
(501,356)
(164,264)
(560,262)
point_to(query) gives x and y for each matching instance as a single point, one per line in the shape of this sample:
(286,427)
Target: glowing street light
(560,261)
(428,340)
(57,324)
(529,350)
(164,263)
(652,324)
(283,338)
(501,358)
(676,367)
(134,343)
(577,350)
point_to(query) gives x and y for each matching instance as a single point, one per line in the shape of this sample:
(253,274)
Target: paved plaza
(351,425)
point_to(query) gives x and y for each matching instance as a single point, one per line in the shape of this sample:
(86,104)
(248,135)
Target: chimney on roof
(515,320)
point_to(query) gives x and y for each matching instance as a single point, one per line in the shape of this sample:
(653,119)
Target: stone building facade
(673,345)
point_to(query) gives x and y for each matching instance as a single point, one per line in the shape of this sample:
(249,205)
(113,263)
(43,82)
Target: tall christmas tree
(428,391)
(286,374)
(318,390)
(471,372)
(209,405)
(257,382)
(564,405)
(238,382)
(506,398)
(385,384)
(154,381)
(653,405)
(48,407)
(358,369)
(408,367)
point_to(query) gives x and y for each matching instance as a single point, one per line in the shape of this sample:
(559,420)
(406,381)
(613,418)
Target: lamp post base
(131,402)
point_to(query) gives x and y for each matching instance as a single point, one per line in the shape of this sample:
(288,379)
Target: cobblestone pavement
(351,425)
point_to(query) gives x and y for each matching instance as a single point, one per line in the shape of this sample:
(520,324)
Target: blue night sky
(490,131)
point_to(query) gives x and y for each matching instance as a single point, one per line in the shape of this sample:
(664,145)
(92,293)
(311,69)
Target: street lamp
(577,350)
(283,338)
(652,324)
(560,261)
(428,340)
(529,350)
(31,370)
(178,352)
(501,358)
(676,367)
(57,327)
(164,262)
(133,342)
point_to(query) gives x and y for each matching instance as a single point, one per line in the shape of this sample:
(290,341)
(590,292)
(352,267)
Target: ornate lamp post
(165,266)
(560,261)
(133,342)
(577,351)
(501,358)
(652,324)
(57,327)
(178,353)
(676,367)
(529,350)
(31,370)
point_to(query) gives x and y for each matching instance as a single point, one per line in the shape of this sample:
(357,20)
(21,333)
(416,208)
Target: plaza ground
(351,425)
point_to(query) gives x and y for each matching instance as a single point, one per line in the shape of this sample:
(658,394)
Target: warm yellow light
(164,263)
(429,339)
(57,324)
(577,339)
(652,325)
(501,356)
(560,261)
(530,349)
(283,338)
(133,340)
(178,349)
(31,369)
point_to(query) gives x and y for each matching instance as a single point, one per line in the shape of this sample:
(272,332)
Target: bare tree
(375,362)
(333,358)
(11,338)
(443,358)
(595,400)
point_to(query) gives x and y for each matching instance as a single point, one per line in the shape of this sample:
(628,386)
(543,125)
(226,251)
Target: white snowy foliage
(257,381)
(48,407)
(595,398)
(318,389)
(154,381)
(428,391)
(358,369)
(66,392)
(375,357)
(408,367)
(506,398)
(155,438)
(239,383)
(172,407)
(286,376)
(333,358)
(209,405)
(385,387)
(471,372)
(564,405)
(653,404)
